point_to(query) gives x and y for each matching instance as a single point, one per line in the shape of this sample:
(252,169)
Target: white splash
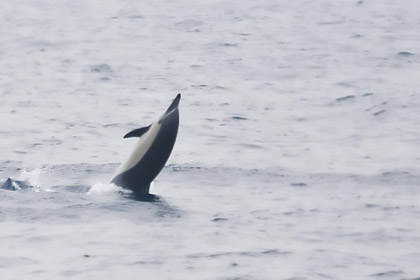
(31,177)
(104,188)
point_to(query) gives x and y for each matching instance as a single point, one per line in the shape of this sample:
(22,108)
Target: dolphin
(155,144)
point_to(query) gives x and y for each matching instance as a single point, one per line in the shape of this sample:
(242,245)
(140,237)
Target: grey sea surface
(298,149)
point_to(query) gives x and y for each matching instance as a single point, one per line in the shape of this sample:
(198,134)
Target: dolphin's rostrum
(155,144)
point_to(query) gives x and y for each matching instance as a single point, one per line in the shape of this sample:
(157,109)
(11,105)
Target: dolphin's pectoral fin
(137,132)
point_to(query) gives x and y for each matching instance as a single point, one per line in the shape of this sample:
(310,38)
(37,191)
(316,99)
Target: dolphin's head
(172,110)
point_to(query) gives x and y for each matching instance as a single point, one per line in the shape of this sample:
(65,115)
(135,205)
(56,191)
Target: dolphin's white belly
(143,145)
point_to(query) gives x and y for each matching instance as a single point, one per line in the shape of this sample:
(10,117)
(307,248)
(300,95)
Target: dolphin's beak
(172,107)
(174,104)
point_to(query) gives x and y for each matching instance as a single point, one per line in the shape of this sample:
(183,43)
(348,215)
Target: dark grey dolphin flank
(150,154)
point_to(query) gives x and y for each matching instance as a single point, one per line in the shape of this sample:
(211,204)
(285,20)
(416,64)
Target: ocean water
(297,155)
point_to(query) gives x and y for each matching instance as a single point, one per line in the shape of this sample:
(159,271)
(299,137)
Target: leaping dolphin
(150,154)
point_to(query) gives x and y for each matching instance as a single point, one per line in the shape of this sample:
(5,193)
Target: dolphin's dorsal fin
(137,132)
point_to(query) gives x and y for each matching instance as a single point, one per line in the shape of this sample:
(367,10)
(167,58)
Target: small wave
(274,252)
(390,273)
